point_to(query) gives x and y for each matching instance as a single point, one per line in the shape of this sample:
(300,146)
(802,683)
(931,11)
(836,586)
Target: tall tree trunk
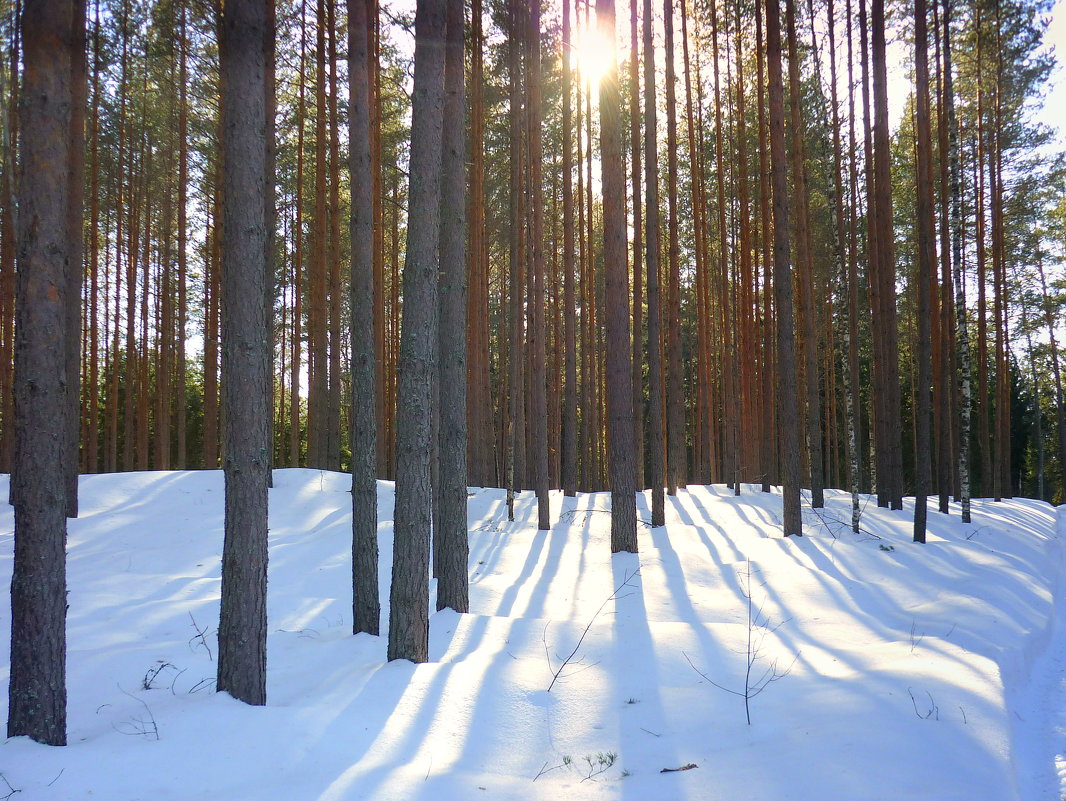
(637,357)
(481,444)
(675,423)
(91,427)
(516,360)
(538,409)
(409,594)
(181,422)
(75,250)
(619,366)
(768,452)
(245,355)
(453,583)
(366,608)
(853,389)
(983,433)
(788,403)
(962,346)
(298,254)
(926,270)
(333,260)
(885,316)
(808,323)
(946,395)
(651,264)
(37,696)
(318,312)
(569,433)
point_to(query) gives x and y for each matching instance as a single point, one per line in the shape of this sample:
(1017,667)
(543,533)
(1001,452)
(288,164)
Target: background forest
(150,354)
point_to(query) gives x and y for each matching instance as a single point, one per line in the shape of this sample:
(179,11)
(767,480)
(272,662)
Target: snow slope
(902,671)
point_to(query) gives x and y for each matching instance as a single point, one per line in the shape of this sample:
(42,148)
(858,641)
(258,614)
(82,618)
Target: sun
(592,55)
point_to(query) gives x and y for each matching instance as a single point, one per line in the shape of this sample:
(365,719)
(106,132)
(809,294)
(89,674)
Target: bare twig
(544,769)
(11,790)
(613,596)
(933,712)
(689,766)
(752,687)
(153,673)
(139,727)
(200,635)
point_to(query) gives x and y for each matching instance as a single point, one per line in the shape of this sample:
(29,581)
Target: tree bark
(926,269)
(409,594)
(788,400)
(619,367)
(538,402)
(807,322)
(366,608)
(676,446)
(37,694)
(246,382)
(651,264)
(452,581)
(570,430)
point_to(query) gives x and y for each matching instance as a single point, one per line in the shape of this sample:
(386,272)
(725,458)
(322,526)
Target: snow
(901,670)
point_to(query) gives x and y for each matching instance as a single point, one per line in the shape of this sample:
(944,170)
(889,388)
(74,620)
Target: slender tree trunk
(638,247)
(298,255)
(651,264)
(481,445)
(619,366)
(853,388)
(181,422)
(538,422)
(516,355)
(569,433)
(961,322)
(983,434)
(366,608)
(409,595)
(675,423)
(885,319)
(333,261)
(75,249)
(807,322)
(946,394)
(788,403)
(768,453)
(317,322)
(926,270)
(745,313)
(453,583)
(245,356)
(91,427)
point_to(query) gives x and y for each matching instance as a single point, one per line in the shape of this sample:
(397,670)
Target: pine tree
(409,594)
(453,583)
(37,695)
(366,608)
(245,357)
(619,367)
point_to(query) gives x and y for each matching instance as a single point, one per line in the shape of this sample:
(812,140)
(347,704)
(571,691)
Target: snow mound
(875,668)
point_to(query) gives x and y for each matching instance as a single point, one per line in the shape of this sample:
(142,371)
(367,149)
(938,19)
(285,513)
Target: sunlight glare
(592,55)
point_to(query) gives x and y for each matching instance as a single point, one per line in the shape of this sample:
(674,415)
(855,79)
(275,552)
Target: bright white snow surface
(902,671)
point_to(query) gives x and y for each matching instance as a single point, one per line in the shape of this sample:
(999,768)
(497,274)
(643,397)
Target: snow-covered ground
(901,671)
